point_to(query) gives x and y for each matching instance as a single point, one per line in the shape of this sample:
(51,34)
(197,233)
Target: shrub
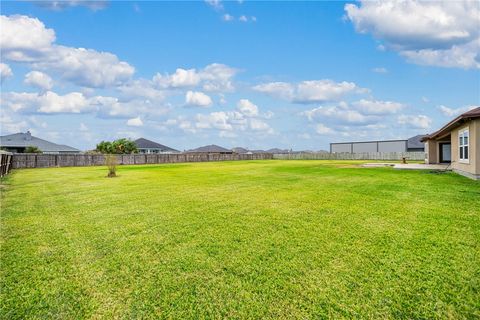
(124,146)
(111,162)
(32,149)
(104,147)
(120,146)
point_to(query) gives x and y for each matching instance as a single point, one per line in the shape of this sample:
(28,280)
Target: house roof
(472,114)
(143,143)
(210,148)
(240,150)
(277,150)
(416,142)
(23,140)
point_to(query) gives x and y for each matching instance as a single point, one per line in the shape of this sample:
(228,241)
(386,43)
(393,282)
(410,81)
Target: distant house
(18,142)
(210,149)
(151,147)
(241,150)
(413,144)
(278,151)
(458,143)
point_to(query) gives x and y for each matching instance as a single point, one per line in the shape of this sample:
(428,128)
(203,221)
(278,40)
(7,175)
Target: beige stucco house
(458,143)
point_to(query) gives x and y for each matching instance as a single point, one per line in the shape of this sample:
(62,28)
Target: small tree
(124,146)
(105,147)
(111,162)
(32,149)
(120,146)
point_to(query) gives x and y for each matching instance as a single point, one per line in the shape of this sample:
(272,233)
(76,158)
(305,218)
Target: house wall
(154,151)
(431,147)
(472,168)
(13,149)
(477,146)
(22,150)
(432,150)
(147,151)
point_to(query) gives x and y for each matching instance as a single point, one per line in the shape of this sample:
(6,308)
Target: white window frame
(462,133)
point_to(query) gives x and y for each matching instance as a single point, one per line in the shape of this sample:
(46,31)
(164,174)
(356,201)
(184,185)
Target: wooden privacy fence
(33,160)
(352,156)
(5,163)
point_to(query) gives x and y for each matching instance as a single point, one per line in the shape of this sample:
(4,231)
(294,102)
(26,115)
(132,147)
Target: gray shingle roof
(416,142)
(23,140)
(211,148)
(143,143)
(240,150)
(277,150)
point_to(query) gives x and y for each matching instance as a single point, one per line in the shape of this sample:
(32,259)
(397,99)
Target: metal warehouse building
(412,144)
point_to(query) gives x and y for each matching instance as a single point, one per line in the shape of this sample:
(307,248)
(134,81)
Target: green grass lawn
(251,239)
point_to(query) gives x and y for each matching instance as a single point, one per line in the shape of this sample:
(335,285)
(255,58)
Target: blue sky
(253,74)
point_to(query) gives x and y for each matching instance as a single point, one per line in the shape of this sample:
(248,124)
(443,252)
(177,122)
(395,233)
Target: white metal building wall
(341,147)
(369,146)
(392,146)
(364,147)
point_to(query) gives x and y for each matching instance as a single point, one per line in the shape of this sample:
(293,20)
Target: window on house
(463,140)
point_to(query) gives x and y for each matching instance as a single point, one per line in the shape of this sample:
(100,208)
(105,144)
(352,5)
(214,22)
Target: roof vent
(28,136)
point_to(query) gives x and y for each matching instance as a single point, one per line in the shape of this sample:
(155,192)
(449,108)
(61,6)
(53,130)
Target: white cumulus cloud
(24,38)
(76,102)
(439,33)
(87,67)
(48,102)
(377,107)
(260,125)
(228,17)
(322,90)
(453,112)
(181,78)
(135,122)
(215,120)
(5,71)
(216,4)
(215,77)
(313,91)
(415,121)
(198,99)
(63,4)
(246,116)
(380,70)
(340,114)
(321,129)
(11,125)
(247,108)
(27,40)
(39,80)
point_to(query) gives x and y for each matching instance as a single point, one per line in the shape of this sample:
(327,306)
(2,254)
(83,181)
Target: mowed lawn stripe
(250,239)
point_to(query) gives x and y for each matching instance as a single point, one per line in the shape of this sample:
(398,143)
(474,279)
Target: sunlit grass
(260,239)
